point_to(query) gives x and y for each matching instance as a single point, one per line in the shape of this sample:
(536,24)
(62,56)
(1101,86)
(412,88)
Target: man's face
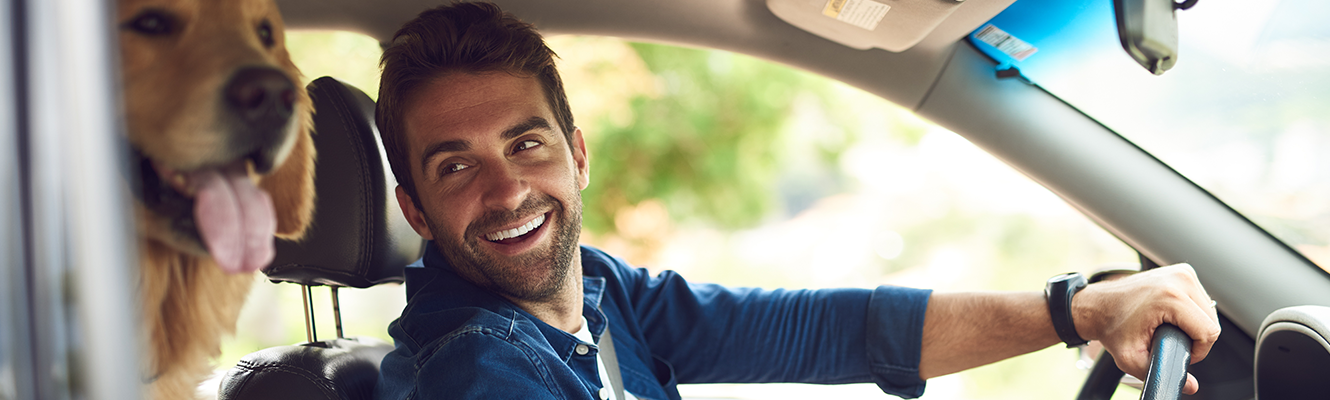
(500,192)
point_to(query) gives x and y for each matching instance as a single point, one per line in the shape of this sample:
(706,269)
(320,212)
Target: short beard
(490,273)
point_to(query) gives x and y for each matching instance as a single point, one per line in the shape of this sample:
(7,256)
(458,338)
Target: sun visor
(892,25)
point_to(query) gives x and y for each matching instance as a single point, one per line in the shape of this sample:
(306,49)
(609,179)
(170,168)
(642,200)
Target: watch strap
(1058,293)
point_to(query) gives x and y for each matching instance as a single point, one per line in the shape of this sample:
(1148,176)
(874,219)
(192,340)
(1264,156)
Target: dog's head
(218,122)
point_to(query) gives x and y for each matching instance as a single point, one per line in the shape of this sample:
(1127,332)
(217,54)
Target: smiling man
(499,190)
(506,304)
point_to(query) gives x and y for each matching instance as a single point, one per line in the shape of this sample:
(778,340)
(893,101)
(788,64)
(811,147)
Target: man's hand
(1123,314)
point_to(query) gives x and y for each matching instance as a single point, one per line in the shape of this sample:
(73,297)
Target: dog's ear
(292,189)
(292,185)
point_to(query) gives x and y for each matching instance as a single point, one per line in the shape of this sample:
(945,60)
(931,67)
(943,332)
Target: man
(505,304)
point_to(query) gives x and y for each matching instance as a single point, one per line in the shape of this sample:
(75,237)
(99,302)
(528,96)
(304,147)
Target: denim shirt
(457,340)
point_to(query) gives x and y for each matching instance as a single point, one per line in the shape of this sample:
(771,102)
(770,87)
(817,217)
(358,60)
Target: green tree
(709,144)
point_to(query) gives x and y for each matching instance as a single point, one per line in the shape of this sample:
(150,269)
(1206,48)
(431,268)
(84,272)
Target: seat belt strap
(611,363)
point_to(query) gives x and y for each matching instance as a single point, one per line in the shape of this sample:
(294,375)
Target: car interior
(359,239)
(924,55)
(924,61)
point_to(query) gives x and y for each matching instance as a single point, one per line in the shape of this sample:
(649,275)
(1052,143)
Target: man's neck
(564,309)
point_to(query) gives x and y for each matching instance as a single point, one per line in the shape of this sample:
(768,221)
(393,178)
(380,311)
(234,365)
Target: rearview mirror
(1148,30)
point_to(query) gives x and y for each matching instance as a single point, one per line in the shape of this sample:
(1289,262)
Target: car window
(1242,114)
(861,192)
(738,171)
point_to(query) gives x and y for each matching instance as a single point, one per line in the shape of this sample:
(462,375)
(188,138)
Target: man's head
(464,37)
(479,135)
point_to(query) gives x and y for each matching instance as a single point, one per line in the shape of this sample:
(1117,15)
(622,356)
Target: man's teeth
(518,231)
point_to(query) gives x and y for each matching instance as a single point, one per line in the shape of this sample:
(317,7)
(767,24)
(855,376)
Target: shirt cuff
(895,333)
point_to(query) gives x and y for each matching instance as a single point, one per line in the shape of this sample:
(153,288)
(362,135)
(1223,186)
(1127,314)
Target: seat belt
(611,363)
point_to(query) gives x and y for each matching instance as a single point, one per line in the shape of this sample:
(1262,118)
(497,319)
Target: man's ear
(413,214)
(580,159)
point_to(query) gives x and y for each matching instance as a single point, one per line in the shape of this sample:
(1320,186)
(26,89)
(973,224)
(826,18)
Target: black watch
(1058,293)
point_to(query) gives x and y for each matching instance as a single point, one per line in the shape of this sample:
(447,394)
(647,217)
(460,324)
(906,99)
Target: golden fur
(177,57)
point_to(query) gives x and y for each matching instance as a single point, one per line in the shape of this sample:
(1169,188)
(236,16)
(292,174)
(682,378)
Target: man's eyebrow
(463,145)
(525,126)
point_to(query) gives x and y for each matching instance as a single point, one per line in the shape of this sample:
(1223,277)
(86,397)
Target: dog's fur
(178,59)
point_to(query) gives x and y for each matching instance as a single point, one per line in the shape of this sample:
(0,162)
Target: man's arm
(966,330)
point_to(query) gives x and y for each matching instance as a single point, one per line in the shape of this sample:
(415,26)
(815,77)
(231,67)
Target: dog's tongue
(235,219)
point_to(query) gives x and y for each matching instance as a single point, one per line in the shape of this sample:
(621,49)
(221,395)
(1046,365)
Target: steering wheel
(1170,353)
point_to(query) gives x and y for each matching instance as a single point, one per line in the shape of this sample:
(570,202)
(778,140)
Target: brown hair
(462,37)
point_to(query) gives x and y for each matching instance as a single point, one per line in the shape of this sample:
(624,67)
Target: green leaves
(708,142)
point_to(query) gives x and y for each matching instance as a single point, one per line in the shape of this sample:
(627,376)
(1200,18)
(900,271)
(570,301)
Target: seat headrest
(338,369)
(358,237)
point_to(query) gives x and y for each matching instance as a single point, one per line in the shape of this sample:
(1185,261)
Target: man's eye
(454,167)
(526,144)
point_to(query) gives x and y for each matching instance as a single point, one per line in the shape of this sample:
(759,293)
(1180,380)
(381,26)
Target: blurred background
(738,171)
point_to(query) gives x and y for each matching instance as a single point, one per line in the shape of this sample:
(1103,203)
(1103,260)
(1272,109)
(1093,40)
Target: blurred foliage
(708,143)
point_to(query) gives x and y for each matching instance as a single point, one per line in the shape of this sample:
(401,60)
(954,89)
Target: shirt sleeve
(468,365)
(711,333)
(895,334)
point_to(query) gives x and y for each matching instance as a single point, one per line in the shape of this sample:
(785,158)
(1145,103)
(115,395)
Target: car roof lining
(741,26)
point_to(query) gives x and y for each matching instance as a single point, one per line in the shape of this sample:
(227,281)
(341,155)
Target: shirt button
(604,393)
(582,349)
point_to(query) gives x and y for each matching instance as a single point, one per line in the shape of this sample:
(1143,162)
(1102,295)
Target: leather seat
(341,369)
(358,238)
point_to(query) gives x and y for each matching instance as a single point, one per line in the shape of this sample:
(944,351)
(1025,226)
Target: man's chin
(535,275)
(535,271)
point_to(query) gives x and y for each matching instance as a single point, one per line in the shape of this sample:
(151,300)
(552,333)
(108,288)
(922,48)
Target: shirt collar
(593,287)
(467,294)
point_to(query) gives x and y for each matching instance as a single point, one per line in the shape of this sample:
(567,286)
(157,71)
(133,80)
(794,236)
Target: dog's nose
(262,100)
(261,96)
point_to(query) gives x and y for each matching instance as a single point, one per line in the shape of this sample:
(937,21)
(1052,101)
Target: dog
(219,129)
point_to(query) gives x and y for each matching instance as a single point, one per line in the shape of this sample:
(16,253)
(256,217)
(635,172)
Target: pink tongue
(235,219)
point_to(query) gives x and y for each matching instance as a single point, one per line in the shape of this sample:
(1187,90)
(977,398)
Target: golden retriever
(219,125)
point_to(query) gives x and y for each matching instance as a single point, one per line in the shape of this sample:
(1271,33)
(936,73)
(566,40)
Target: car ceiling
(743,26)
(1124,189)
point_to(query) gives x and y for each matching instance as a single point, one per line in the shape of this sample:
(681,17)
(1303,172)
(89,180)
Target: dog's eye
(153,22)
(265,33)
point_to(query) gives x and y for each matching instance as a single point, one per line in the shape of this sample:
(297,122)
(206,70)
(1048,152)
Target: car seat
(358,238)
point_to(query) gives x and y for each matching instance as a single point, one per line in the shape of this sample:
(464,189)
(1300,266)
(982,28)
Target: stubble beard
(512,277)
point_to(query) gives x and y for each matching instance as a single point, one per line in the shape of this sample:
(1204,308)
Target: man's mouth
(509,236)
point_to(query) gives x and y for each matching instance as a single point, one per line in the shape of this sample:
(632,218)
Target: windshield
(1244,113)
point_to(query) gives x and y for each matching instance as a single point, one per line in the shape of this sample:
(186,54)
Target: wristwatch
(1058,293)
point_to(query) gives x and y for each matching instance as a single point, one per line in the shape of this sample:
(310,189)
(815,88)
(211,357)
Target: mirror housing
(1148,30)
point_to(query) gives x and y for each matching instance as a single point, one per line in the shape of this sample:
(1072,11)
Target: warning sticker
(861,13)
(1005,42)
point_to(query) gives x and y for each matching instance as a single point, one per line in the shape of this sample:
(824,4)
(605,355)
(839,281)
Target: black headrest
(358,237)
(339,369)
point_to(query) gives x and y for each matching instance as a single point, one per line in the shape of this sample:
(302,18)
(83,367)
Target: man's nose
(505,187)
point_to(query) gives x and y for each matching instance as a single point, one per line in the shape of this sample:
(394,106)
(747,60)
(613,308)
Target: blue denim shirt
(457,340)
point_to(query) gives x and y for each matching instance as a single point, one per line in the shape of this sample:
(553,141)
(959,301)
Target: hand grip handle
(1170,353)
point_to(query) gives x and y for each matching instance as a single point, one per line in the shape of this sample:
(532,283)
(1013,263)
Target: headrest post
(337,313)
(308,300)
